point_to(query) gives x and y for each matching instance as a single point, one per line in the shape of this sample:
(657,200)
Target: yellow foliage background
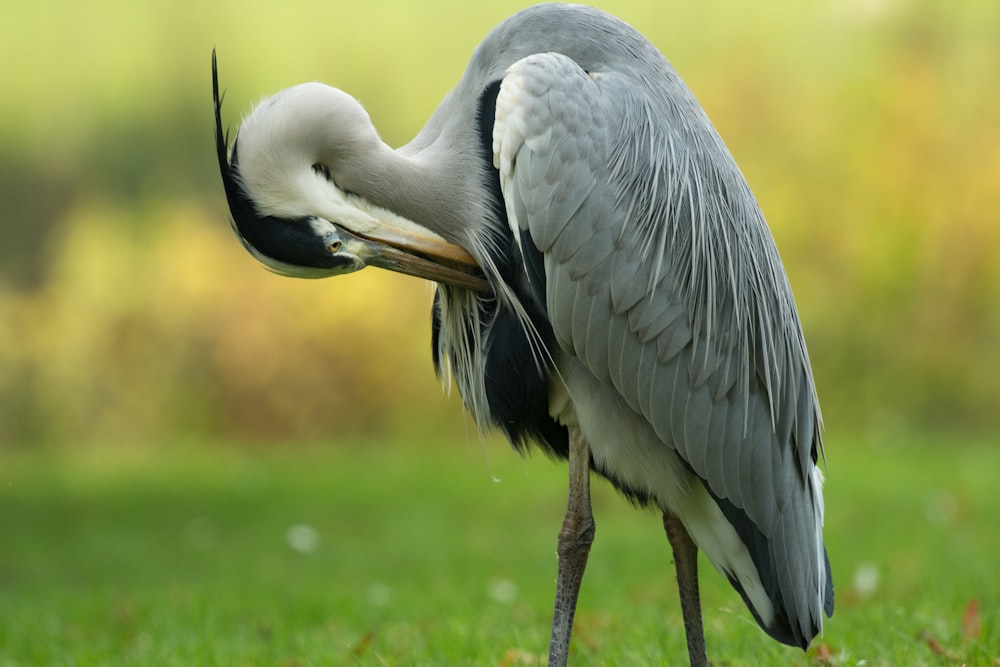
(869,130)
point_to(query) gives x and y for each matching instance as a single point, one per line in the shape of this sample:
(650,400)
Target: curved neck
(434,187)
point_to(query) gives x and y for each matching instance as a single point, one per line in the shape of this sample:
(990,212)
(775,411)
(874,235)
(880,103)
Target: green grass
(180,556)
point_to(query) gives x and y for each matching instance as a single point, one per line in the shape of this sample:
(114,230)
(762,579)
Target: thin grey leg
(575,539)
(686,561)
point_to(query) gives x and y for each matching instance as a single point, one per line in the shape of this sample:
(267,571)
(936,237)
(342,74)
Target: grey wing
(663,279)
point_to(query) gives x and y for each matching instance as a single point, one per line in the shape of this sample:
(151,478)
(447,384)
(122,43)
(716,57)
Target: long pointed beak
(426,244)
(421,255)
(401,261)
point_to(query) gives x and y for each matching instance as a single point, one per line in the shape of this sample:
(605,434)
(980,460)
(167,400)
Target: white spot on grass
(302,538)
(503,591)
(379,595)
(866,578)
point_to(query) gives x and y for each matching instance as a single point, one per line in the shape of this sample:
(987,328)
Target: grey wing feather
(663,279)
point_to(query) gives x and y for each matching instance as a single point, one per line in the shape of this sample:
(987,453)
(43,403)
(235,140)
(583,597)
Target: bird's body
(629,310)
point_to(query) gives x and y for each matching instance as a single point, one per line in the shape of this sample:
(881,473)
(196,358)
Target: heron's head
(289,208)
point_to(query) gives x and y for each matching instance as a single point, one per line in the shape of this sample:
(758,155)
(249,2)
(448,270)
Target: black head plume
(244,215)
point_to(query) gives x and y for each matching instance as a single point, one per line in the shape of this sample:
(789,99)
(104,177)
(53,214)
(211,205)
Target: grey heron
(607,289)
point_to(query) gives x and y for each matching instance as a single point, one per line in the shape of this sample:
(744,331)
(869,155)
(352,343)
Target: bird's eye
(335,246)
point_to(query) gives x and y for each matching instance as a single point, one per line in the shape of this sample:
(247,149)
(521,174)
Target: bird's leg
(686,561)
(575,539)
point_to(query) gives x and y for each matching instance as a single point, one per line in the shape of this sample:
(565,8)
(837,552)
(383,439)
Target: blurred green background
(154,378)
(868,129)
